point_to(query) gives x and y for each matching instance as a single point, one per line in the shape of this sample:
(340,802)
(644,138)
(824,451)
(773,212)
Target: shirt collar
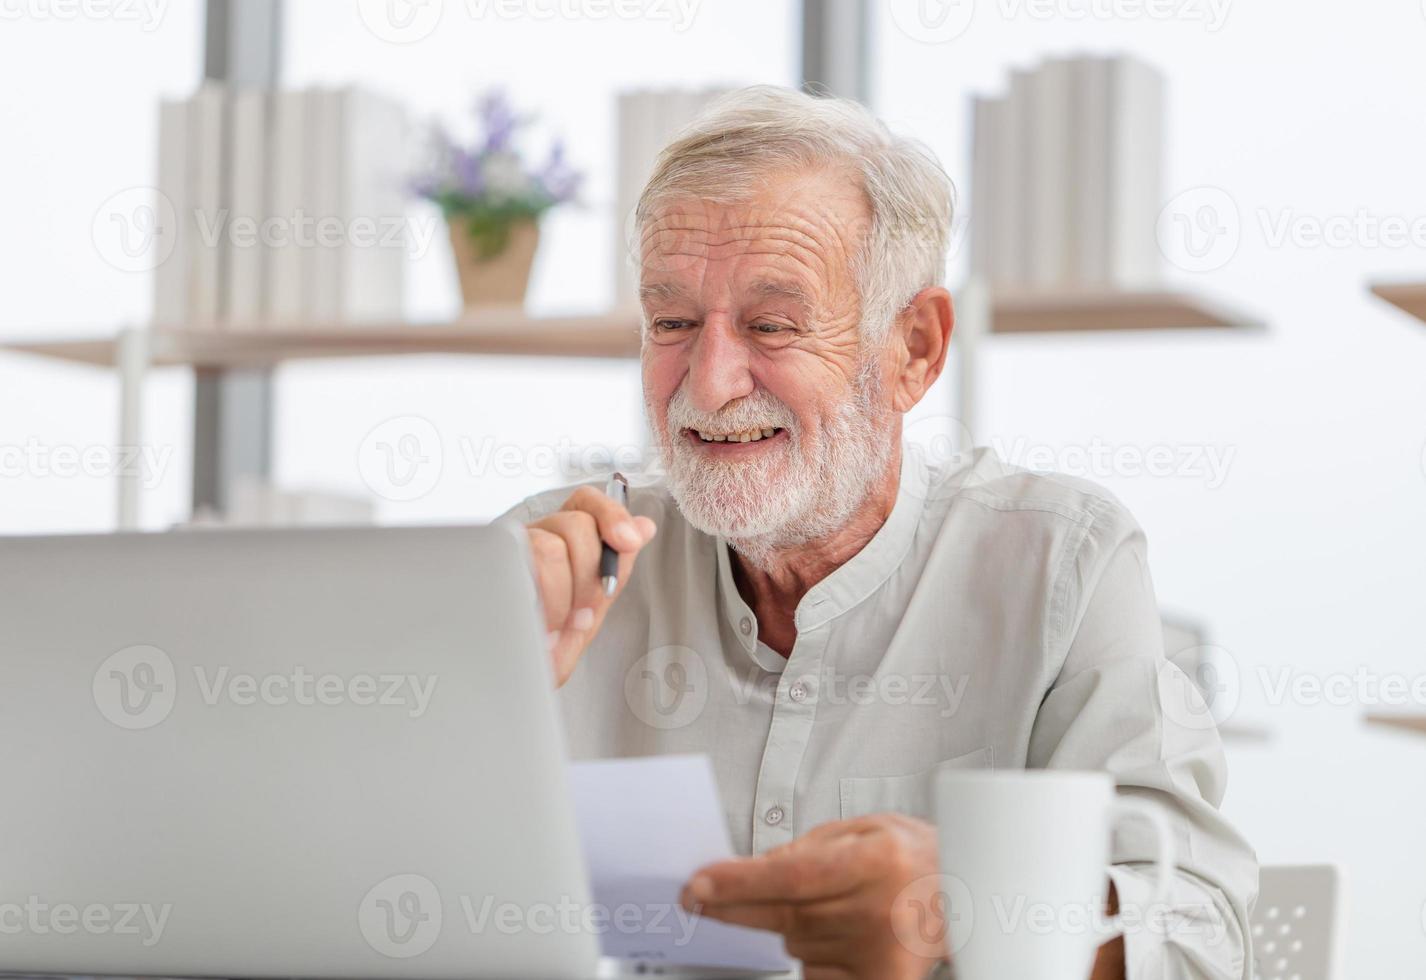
(850,583)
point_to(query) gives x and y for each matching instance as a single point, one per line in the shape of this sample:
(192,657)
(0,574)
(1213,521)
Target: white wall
(568,72)
(78,125)
(1308,557)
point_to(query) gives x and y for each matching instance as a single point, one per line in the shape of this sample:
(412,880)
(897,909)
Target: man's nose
(718,369)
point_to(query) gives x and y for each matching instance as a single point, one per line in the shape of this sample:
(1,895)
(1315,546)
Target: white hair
(753,134)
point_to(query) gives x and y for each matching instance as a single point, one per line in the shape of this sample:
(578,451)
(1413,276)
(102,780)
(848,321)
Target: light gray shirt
(998,618)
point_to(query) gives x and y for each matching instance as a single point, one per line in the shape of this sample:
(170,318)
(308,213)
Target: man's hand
(565,546)
(852,899)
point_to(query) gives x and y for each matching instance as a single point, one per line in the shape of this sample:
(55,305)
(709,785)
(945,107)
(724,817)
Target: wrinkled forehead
(813,225)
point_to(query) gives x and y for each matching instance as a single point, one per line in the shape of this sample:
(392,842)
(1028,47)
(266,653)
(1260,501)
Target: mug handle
(1164,861)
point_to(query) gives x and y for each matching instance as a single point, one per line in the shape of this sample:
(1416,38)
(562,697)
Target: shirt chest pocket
(913,794)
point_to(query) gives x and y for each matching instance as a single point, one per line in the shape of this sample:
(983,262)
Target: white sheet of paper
(647,824)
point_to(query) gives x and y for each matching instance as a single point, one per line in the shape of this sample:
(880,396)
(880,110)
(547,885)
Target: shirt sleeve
(1118,705)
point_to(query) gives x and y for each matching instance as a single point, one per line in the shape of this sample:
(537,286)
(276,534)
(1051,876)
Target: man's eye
(768,327)
(672,324)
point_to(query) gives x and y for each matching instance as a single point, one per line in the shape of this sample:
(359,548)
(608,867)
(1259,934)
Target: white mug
(1023,859)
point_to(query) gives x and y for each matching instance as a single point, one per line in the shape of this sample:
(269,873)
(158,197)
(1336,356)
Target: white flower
(504,176)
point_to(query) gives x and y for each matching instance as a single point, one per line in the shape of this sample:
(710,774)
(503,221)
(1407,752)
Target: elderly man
(826,613)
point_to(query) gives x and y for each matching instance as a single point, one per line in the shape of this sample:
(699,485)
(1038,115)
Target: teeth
(750,435)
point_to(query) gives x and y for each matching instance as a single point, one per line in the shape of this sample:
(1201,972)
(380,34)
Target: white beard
(790,493)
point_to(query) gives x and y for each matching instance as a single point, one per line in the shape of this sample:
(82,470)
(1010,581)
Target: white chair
(1296,922)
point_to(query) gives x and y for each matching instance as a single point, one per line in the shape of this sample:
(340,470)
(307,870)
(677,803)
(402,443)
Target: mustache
(758,410)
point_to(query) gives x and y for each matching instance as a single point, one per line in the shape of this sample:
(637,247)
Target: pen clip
(617,488)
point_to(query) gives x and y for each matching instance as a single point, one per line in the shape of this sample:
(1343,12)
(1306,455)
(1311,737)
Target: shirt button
(774,816)
(798,692)
(746,625)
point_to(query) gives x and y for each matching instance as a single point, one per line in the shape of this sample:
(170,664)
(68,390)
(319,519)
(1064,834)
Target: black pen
(617,489)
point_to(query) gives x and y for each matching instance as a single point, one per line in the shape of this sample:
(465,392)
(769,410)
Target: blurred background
(1190,248)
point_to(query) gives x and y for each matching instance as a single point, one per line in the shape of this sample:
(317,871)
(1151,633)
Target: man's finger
(553,575)
(833,919)
(795,875)
(821,971)
(832,830)
(615,524)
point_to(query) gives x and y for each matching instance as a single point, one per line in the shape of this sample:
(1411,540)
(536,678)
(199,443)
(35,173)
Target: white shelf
(510,331)
(1406,723)
(490,332)
(1063,311)
(1407,296)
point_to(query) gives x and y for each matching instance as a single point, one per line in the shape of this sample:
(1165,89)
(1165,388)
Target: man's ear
(924,328)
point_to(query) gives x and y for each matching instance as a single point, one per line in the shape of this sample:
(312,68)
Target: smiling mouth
(743,435)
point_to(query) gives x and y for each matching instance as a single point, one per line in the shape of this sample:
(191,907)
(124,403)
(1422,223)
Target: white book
(324,181)
(1137,111)
(647,121)
(1093,197)
(373,141)
(286,260)
(635,137)
(987,115)
(170,298)
(359,175)
(1049,109)
(206,206)
(245,275)
(1010,203)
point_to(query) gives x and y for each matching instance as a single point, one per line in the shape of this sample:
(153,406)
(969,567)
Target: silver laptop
(261,753)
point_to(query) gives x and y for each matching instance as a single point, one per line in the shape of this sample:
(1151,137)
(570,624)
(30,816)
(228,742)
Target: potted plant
(492,200)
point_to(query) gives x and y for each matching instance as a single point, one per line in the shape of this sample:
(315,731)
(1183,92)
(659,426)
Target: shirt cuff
(1187,936)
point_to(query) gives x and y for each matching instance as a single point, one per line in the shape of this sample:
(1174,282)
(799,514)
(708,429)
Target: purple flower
(490,172)
(468,172)
(557,178)
(498,120)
